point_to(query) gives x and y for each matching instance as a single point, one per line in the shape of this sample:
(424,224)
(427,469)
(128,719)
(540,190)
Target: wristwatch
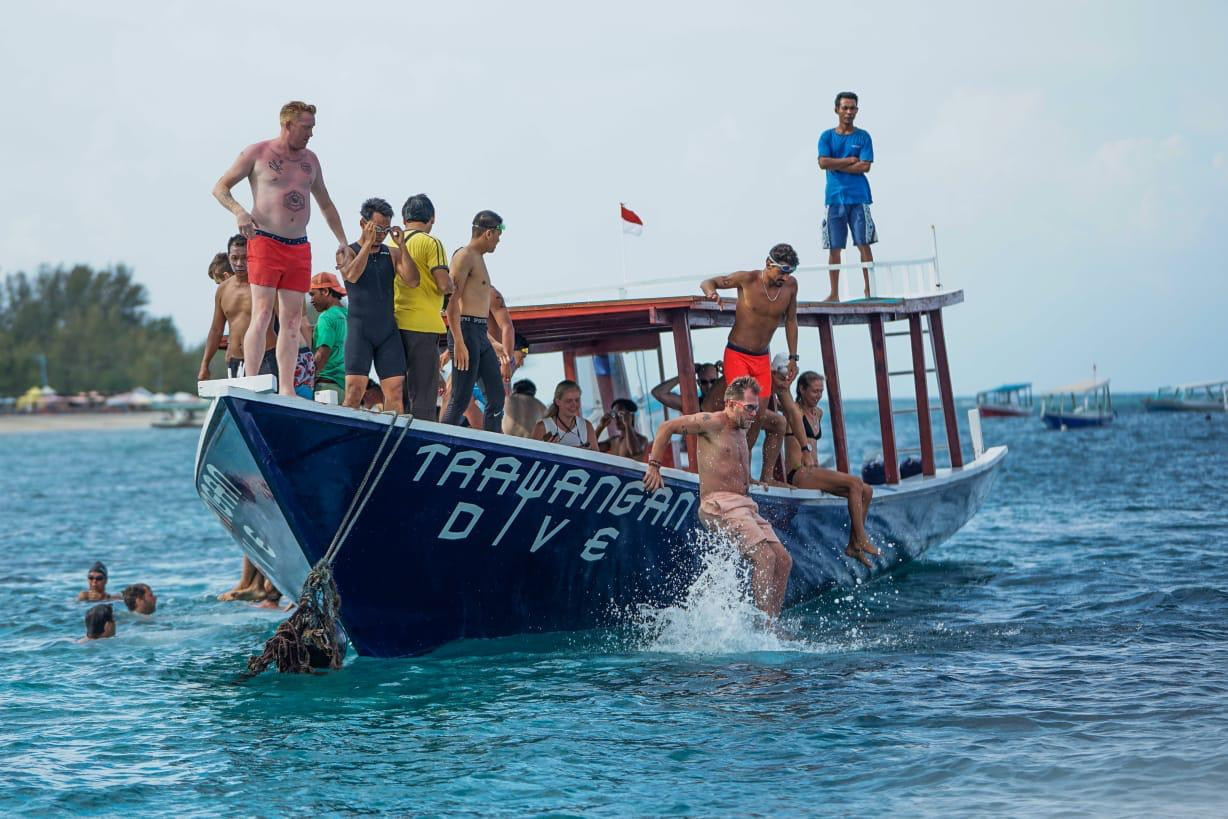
(795,357)
(806,448)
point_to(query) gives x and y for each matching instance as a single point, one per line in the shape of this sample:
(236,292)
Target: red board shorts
(281,263)
(739,362)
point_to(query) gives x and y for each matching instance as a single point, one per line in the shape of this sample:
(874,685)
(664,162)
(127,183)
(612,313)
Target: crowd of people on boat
(397,299)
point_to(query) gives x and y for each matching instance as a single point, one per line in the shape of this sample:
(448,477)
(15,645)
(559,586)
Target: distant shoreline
(20,422)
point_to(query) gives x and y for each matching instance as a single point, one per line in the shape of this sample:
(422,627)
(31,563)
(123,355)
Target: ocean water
(1065,654)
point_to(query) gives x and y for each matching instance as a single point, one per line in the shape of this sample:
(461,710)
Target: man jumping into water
(282,173)
(724,479)
(764,297)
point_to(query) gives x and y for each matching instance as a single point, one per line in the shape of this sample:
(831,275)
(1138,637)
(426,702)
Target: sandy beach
(15,423)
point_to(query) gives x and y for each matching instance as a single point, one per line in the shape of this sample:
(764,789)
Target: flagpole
(622,291)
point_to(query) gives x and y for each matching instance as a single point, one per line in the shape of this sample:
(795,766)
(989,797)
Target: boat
(1209,396)
(1082,404)
(1006,401)
(179,414)
(448,533)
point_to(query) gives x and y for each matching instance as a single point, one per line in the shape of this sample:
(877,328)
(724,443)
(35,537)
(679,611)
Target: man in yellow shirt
(418,306)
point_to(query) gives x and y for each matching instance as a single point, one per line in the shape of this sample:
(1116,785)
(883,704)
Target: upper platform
(621,325)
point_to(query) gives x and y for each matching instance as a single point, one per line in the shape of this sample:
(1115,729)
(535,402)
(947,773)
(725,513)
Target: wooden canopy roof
(623,325)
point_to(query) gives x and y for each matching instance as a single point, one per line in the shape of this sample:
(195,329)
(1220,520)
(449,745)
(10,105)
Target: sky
(1073,158)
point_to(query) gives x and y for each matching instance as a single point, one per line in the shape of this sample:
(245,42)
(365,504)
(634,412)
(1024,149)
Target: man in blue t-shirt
(846,154)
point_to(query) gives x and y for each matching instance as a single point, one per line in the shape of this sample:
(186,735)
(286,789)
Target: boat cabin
(1208,396)
(1006,400)
(594,328)
(1084,403)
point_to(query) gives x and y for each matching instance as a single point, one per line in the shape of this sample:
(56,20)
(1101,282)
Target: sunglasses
(753,409)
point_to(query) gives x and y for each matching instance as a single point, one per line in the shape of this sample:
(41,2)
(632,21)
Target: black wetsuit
(371,327)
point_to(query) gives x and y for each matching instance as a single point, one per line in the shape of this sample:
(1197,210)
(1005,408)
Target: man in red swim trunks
(282,173)
(764,297)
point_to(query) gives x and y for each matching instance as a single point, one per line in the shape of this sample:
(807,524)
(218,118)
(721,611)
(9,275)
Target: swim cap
(98,567)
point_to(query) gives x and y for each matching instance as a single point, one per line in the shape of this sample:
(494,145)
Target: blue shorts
(843,218)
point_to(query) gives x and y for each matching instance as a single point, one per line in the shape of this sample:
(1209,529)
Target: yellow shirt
(418,308)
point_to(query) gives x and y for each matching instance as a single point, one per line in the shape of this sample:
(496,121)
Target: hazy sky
(1074,157)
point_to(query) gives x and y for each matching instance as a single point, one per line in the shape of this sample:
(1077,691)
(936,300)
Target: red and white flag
(632,223)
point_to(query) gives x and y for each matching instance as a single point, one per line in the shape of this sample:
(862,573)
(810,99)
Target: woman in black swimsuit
(804,471)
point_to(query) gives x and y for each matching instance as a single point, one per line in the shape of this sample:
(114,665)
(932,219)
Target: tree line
(93,329)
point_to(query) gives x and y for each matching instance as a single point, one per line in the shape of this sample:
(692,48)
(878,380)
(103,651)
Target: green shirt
(330,333)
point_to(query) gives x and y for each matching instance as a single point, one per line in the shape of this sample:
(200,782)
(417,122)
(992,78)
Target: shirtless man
(764,297)
(724,479)
(232,304)
(804,471)
(711,389)
(473,300)
(282,172)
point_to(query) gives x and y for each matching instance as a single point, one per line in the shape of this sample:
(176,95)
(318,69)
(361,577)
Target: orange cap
(326,280)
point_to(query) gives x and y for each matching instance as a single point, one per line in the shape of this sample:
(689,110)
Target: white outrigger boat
(1208,396)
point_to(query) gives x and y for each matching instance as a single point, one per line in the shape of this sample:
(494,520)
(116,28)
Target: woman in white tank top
(563,424)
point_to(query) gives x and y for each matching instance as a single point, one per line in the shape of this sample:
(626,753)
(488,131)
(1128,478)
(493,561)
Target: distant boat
(1082,404)
(1006,401)
(1209,396)
(179,414)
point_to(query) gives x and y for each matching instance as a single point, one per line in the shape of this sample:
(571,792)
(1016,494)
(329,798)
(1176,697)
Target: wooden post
(679,320)
(878,341)
(939,341)
(835,408)
(569,366)
(921,387)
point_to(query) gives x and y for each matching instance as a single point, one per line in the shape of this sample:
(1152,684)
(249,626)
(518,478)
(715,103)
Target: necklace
(765,292)
(559,420)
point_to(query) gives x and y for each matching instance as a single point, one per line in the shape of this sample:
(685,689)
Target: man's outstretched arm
(697,424)
(730,282)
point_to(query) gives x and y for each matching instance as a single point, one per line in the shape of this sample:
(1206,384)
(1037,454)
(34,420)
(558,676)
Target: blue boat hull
(1055,420)
(470,534)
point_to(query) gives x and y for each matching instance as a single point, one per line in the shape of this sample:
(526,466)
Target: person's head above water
(100,622)
(140,598)
(97,577)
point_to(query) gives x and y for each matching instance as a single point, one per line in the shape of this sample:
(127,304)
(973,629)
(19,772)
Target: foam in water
(717,614)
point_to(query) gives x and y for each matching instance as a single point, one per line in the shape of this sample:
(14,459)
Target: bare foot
(774,482)
(858,554)
(833,297)
(867,292)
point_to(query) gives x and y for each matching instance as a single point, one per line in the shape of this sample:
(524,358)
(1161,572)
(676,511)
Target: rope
(310,638)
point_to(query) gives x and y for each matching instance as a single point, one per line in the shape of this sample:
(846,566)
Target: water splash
(717,613)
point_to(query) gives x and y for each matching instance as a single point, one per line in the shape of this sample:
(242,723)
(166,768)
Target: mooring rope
(308,638)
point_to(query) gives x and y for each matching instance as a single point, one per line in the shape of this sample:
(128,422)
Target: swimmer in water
(97,579)
(140,598)
(99,622)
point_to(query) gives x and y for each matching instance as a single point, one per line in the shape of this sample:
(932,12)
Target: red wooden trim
(612,344)
(686,378)
(569,366)
(878,341)
(921,388)
(835,407)
(943,370)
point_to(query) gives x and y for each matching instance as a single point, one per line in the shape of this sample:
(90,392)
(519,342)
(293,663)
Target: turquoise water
(1065,653)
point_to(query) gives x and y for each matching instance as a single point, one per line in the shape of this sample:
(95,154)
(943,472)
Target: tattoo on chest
(306,166)
(294,201)
(275,165)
